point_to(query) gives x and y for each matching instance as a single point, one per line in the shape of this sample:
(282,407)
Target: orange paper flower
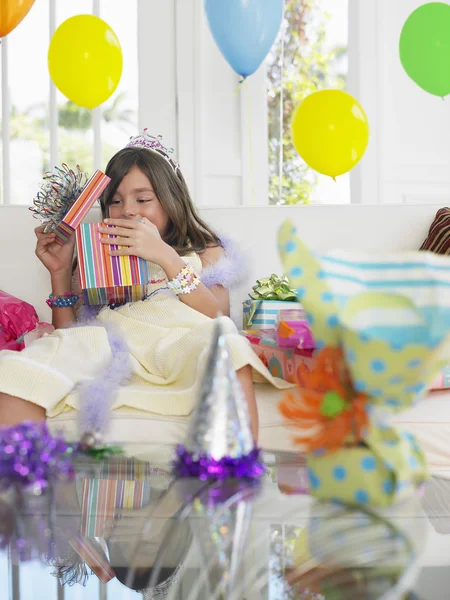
(326,407)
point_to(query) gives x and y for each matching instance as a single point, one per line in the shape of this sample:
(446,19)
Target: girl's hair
(186,232)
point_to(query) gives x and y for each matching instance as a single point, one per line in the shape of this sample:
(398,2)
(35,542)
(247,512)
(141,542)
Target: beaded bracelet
(64,301)
(185,282)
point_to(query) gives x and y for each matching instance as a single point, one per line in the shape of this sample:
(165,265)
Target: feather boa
(229,270)
(96,396)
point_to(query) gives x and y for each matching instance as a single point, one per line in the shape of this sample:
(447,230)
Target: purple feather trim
(229,270)
(87,313)
(206,468)
(96,396)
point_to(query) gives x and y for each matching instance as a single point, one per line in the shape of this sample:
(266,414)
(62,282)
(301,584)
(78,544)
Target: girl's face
(135,199)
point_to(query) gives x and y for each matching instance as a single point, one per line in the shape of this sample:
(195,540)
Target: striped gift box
(79,209)
(262,314)
(123,483)
(108,279)
(101,499)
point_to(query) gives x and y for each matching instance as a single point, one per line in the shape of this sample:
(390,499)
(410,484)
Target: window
(309,55)
(43,133)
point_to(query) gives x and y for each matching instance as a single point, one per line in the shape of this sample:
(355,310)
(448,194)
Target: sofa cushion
(429,421)
(438,239)
(150,428)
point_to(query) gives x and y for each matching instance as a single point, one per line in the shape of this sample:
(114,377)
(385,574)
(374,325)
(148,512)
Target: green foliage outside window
(308,66)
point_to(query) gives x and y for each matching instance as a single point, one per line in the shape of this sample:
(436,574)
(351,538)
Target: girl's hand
(56,258)
(140,238)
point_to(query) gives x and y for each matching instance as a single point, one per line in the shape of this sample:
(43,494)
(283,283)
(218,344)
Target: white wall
(408,160)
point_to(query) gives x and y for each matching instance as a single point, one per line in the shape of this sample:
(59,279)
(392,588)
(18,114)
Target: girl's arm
(61,285)
(58,261)
(208,301)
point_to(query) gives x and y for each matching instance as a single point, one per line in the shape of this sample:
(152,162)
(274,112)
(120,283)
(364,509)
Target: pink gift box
(293,330)
(442,381)
(290,364)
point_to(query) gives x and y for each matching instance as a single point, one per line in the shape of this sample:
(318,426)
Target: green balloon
(425,48)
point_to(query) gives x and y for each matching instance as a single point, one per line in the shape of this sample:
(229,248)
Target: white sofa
(395,227)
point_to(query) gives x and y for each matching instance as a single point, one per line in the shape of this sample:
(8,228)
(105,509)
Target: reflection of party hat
(219,442)
(220,523)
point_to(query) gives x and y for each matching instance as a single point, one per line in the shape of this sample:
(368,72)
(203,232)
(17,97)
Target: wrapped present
(293,329)
(442,381)
(263,314)
(79,209)
(268,297)
(385,468)
(393,326)
(19,323)
(106,279)
(383,333)
(289,364)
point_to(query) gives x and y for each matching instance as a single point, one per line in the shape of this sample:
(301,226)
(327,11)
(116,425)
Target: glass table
(126,529)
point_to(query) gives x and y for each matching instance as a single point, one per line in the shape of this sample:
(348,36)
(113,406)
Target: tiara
(150,142)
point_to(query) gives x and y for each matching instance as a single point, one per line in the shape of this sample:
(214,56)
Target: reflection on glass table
(125,529)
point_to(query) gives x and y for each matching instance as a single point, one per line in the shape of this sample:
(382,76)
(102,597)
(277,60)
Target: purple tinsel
(229,270)
(206,468)
(30,456)
(97,395)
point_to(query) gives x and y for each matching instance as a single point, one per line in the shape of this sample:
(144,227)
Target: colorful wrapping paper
(102,497)
(17,318)
(390,315)
(387,469)
(442,381)
(79,209)
(289,364)
(263,314)
(389,312)
(293,331)
(108,279)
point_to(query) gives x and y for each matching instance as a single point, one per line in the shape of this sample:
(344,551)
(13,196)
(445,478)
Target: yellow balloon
(330,131)
(85,60)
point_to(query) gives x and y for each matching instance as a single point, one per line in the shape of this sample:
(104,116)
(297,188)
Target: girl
(148,205)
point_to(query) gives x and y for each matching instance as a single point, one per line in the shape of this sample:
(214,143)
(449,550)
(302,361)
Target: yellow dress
(168,343)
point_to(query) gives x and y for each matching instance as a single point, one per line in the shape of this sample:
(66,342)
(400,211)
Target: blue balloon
(244,30)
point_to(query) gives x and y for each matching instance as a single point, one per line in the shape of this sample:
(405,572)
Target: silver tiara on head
(150,142)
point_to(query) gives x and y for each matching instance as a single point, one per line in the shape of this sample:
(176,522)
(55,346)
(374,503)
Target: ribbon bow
(273,288)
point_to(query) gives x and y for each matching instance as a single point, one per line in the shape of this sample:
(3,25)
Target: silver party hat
(220,424)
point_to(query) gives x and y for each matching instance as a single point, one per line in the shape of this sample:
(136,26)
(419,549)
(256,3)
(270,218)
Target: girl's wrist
(61,282)
(170,262)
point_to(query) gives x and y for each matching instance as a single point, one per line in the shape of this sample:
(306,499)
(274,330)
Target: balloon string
(241,83)
(250,145)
